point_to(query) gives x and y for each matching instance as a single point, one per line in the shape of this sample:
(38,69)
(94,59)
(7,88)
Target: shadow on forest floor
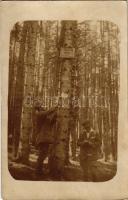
(104,171)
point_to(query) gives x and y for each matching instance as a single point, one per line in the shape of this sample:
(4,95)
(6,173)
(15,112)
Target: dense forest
(83,83)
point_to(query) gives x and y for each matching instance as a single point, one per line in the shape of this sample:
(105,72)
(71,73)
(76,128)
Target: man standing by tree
(46,120)
(90,144)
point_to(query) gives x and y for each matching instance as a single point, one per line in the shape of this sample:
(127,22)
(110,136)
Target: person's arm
(49,114)
(95,142)
(41,113)
(52,111)
(98,141)
(81,141)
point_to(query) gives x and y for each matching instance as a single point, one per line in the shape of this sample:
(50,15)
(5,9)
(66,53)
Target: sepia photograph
(63,100)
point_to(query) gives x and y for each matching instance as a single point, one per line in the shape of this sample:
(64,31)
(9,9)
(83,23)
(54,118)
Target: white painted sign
(67,52)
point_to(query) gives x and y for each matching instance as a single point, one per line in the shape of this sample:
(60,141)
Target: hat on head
(37,105)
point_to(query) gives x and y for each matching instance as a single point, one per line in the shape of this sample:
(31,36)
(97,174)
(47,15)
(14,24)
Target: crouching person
(45,135)
(89,142)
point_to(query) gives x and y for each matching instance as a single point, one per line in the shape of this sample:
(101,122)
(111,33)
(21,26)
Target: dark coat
(46,123)
(89,146)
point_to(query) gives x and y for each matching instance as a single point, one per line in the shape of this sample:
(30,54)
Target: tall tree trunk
(18,99)
(26,121)
(66,65)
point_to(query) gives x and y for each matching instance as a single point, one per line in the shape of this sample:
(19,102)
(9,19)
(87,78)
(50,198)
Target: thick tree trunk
(66,65)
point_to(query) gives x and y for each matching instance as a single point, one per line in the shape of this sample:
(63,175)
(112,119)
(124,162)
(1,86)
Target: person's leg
(84,166)
(87,169)
(89,172)
(43,152)
(93,168)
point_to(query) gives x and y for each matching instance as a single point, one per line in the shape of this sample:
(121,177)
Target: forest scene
(63,81)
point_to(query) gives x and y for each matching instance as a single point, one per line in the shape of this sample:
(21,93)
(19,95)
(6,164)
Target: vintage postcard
(64,100)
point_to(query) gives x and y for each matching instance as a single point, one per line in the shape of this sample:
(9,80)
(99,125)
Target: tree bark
(66,65)
(26,120)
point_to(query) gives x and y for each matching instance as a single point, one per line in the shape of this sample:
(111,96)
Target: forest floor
(72,172)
